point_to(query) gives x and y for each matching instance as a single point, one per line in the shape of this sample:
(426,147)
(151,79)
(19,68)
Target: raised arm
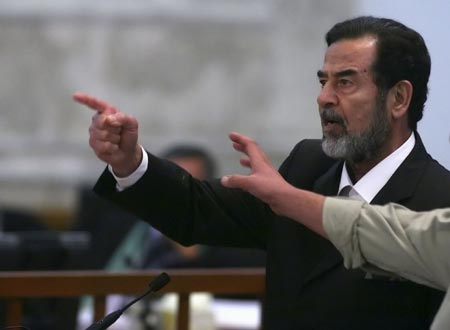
(113,135)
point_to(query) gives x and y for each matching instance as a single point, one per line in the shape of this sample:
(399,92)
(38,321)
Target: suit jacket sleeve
(191,211)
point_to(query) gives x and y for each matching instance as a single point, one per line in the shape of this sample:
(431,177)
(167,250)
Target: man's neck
(357,170)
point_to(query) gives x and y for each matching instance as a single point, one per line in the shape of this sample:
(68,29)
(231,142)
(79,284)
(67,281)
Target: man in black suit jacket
(374,86)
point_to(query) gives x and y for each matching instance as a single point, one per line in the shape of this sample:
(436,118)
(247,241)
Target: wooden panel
(99,307)
(13,312)
(76,283)
(183,312)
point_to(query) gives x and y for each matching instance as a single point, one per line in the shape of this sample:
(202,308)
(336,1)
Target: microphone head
(159,281)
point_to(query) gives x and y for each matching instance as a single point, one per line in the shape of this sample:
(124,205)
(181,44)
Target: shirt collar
(371,183)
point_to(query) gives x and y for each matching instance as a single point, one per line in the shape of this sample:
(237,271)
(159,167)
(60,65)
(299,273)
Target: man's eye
(322,82)
(345,82)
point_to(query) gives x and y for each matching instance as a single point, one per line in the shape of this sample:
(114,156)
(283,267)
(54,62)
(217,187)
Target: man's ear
(399,98)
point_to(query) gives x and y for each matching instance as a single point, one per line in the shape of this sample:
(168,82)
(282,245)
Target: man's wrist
(127,181)
(281,199)
(130,165)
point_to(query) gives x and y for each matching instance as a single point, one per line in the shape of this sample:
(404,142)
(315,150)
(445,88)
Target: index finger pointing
(94,103)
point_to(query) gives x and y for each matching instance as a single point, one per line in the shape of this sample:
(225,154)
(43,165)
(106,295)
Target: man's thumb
(125,121)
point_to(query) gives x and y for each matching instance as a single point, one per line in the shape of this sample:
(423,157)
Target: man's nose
(327,97)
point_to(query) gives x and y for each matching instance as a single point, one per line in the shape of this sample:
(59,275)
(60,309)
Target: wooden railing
(16,286)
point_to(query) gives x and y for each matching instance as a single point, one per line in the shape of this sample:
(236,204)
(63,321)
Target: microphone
(159,281)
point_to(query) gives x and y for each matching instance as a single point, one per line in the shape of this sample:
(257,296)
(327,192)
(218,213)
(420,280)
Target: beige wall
(191,71)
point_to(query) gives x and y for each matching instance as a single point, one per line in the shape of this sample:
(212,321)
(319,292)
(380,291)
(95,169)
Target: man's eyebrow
(346,72)
(339,74)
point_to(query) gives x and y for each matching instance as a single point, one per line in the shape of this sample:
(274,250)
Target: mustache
(330,115)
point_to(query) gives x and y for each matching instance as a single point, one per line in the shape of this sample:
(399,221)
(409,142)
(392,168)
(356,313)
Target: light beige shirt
(414,245)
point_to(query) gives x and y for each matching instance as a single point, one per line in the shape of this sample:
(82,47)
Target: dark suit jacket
(307,286)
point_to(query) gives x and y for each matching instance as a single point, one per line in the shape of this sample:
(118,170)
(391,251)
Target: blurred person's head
(200,164)
(194,159)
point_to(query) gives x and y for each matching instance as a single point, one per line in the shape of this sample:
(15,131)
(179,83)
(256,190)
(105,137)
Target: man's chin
(333,148)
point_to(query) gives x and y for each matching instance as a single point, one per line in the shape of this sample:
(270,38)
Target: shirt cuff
(340,221)
(128,181)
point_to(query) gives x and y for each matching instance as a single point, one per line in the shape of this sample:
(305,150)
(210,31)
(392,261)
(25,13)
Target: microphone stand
(159,281)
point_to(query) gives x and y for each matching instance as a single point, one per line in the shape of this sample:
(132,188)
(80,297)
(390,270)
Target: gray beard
(352,149)
(357,148)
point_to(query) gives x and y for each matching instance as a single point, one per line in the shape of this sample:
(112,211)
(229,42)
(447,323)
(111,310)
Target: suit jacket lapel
(405,179)
(328,183)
